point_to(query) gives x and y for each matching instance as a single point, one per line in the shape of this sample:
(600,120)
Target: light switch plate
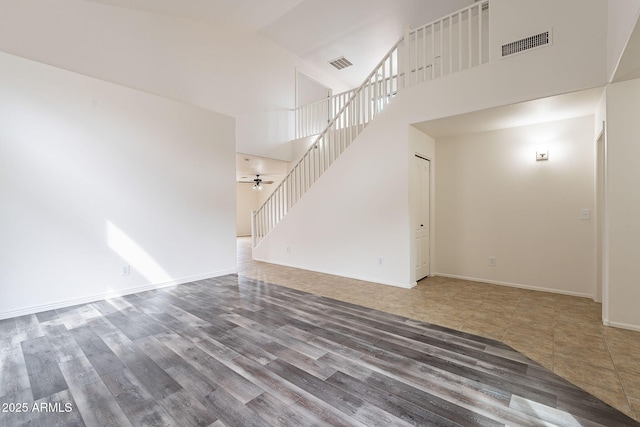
(585,214)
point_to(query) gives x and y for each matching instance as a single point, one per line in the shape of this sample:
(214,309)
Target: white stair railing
(362,106)
(312,119)
(447,45)
(450,44)
(456,42)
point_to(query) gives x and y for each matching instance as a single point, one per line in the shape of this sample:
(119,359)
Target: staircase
(453,43)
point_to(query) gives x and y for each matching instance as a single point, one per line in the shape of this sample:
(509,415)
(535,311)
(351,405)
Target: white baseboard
(622,325)
(517,285)
(356,277)
(113,294)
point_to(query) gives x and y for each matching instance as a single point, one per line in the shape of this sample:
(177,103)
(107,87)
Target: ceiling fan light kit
(257,183)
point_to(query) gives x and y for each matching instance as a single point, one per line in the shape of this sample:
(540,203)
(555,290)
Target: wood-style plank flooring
(563,333)
(240,352)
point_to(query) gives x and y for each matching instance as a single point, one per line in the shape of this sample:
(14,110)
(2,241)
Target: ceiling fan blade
(256,180)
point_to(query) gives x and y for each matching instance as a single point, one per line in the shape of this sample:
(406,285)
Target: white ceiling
(567,106)
(248,166)
(362,31)
(246,15)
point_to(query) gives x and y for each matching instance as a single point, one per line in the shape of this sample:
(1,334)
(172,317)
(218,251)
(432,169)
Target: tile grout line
(622,386)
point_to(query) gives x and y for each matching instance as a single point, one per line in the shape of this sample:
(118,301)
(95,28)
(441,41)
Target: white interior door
(422,232)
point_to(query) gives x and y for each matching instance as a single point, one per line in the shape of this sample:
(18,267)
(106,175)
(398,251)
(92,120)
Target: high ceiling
(249,166)
(246,15)
(362,31)
(315,30)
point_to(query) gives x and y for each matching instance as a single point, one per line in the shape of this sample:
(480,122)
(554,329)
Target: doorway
(422,205)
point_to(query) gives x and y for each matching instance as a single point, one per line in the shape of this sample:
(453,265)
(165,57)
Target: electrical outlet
(126,270)
(380,261)
(492,261)
(288,249)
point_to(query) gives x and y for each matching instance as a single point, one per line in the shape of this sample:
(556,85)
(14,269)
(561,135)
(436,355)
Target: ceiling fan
(257,182)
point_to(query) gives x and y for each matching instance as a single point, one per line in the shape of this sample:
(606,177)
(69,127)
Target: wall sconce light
(542,155)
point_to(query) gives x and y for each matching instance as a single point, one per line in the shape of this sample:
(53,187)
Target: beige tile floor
(563,333)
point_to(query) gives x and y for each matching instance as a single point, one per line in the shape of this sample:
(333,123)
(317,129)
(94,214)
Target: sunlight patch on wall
(135,255)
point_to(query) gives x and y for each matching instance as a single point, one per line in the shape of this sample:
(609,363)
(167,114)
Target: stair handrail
(303,127)
(348,123)
(330,126)
(342,110)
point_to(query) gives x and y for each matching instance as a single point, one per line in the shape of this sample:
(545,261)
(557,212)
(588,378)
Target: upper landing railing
(450,44)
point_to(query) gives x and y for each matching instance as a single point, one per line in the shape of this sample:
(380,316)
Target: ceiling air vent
(341,63)
(528,43)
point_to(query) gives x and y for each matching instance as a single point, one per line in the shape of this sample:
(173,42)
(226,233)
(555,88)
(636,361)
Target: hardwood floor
(242,352)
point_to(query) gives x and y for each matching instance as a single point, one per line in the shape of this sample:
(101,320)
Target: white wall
(355,214)
(95,176)
(575,61)
(308,90)
(493,199)
(622,17)
(571,23)
(218,68)
(342,227)
(623,204)
(246,202)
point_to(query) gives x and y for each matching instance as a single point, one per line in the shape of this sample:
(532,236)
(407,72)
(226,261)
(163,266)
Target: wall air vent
(341,63)
(539,40)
